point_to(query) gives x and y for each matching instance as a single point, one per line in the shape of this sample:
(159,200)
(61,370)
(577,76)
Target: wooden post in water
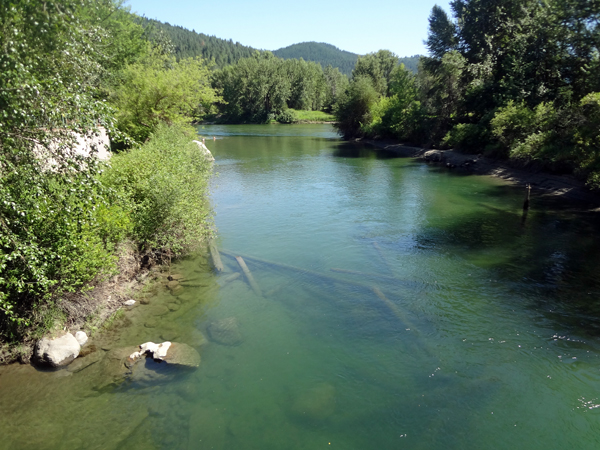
(249,276)
(526,205)
(527,197)
(214,253)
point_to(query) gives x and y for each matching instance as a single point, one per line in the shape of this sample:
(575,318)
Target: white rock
(158,351)
(57,352)
(205,151)
(129,302)
(81,337)
(135,355)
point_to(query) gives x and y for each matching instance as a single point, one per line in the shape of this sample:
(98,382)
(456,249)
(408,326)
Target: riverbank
(565,186)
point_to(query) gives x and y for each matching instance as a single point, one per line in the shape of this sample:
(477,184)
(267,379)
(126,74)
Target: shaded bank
(565,186)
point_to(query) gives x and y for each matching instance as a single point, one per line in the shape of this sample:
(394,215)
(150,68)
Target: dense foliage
(263,87)
(162,185)
(513,79)
(158,90)
(68,69)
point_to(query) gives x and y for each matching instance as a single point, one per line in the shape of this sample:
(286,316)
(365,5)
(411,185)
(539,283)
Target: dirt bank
(565,186)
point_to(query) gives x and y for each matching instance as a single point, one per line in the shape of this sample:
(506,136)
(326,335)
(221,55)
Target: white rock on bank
(205,151)
(81,337)
(129,302)
(57,352)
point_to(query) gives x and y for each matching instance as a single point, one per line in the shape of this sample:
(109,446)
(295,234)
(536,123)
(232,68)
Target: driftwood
(278,288)
(383,257)
(249,276)
(297,269)
(214,253)
(364,274)
(232,277)
(392,307)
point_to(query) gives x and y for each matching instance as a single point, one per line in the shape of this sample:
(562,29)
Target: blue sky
(357,26)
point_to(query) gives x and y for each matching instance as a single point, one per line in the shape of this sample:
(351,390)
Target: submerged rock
(83,362)
(314,404)
(57,352)
(182,355)
(225,332)
(115,367)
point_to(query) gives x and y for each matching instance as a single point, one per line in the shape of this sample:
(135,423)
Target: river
(397,305)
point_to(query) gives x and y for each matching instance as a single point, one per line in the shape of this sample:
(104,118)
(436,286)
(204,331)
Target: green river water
(462,326)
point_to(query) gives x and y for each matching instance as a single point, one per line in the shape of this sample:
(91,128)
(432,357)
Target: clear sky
(356,26)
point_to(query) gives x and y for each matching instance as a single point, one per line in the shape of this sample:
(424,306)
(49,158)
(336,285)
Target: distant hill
(411,62)
(328,54)
(190,43)
(322,53)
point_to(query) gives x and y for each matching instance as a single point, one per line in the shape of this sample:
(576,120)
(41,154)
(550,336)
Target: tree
(378,66)
(442,33)
(161,90)
(337,83)
(353,110)
(254,88)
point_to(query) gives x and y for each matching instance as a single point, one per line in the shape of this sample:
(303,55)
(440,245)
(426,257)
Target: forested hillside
(324,54)
(189,44)
(411,62)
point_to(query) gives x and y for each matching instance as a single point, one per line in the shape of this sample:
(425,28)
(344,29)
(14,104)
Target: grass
(313,116)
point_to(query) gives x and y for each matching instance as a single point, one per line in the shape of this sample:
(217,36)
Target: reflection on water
(396,306)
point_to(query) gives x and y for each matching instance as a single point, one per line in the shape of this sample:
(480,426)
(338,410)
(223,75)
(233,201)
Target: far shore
(565,186)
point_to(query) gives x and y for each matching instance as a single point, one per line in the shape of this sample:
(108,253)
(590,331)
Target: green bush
(353,110)
(163,184)
(287,116)
(53,240)
(468,137)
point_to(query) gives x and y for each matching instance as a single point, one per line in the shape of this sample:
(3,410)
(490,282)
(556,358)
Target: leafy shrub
(287,116)
(164,186)
(353,110)
(468,137)
(50,239)
(161,90)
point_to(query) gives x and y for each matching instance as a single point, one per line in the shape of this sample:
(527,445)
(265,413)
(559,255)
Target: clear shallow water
(481,330)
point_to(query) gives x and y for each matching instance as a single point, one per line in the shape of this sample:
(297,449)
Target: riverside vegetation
(510,79)
(69,68)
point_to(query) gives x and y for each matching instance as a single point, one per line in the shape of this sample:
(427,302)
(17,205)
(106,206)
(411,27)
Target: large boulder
(174,353)
(182,355)
(204,151)
(225,332)
(57,352)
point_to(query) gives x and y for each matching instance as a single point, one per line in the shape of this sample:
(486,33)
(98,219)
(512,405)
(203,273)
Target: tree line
(264,88)
(513,79)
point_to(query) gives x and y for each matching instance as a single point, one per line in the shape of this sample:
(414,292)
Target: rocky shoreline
(542,183)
